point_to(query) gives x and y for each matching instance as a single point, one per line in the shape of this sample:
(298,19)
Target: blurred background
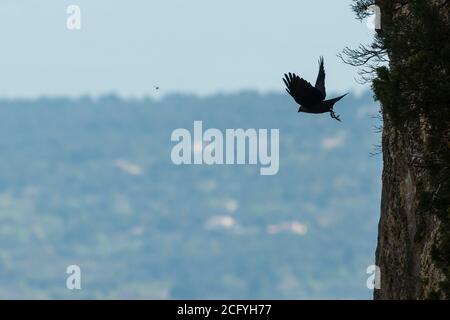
(86,176)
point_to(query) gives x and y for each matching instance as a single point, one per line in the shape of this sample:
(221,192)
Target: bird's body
(321,107)
(311,99)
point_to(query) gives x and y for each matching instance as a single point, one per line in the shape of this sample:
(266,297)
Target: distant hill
(90,182)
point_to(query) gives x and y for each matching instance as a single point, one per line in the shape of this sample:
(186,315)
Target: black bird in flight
(311,99)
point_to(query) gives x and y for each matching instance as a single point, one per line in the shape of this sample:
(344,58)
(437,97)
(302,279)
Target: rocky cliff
(413,250)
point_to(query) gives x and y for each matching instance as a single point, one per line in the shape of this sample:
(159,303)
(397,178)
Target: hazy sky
(192,46)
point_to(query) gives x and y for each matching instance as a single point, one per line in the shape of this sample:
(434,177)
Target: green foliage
(386,87)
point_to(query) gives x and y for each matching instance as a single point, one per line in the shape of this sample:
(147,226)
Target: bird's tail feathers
(340,97)
(334,100)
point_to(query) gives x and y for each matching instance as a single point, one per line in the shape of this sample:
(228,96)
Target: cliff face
(406,232)
(414,233)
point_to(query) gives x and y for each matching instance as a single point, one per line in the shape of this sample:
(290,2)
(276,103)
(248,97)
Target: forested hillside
(90,182)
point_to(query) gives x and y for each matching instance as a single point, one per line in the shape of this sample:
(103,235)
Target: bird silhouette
(311,99)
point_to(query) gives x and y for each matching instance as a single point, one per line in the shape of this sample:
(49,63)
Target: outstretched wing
(301,90)
(320,82)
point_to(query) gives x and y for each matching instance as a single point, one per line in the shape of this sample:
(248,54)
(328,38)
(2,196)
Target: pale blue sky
(195,46)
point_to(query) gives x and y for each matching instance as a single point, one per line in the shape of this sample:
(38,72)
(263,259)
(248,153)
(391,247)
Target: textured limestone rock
(407,230)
